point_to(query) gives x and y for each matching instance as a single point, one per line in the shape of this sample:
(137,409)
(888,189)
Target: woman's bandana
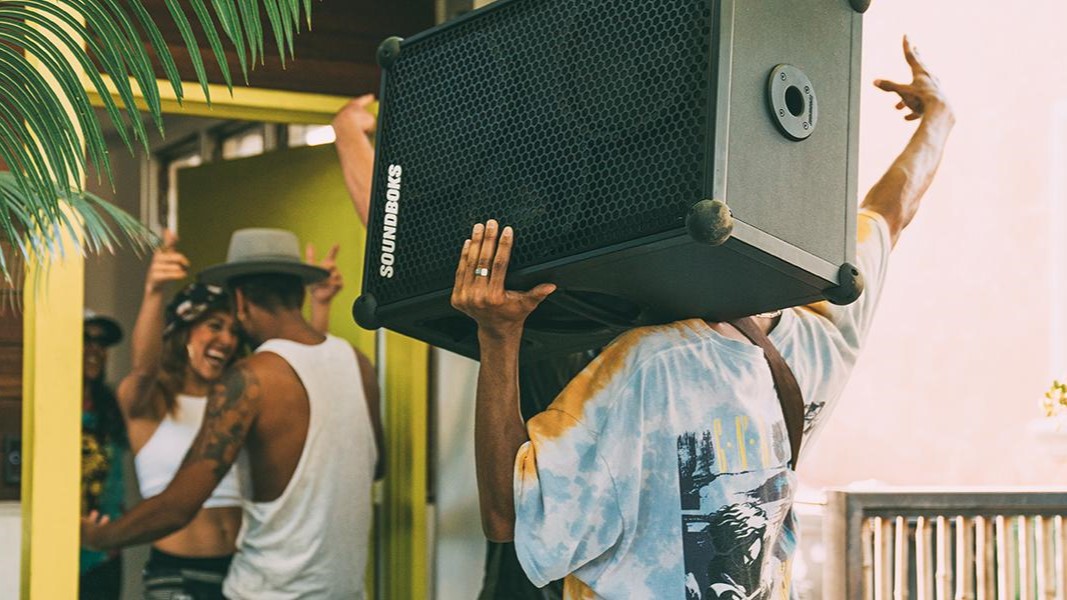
(192,303)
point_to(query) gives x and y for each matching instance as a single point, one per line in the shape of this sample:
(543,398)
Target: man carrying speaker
(663,469)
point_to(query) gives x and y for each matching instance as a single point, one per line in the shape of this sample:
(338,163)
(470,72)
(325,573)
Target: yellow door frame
(53,393)
(51,426)
(53,301)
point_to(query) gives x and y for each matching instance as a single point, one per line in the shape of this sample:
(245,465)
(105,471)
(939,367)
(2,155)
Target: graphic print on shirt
(737,531)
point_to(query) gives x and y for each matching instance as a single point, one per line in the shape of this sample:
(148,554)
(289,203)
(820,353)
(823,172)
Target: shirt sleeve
(873,245)
(830,339)
(566,507)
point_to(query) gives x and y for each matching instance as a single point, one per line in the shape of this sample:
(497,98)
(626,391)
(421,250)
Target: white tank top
(311,542)
(158,460)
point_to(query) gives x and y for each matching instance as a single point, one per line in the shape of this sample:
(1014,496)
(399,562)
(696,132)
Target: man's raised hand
(923,95)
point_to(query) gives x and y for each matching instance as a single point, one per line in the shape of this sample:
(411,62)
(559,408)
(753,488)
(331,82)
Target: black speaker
(608,134)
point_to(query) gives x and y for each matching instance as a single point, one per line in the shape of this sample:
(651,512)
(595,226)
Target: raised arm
(897,194)
(501,315)
(321,294)
(232,407)
(351,126)
(135,390)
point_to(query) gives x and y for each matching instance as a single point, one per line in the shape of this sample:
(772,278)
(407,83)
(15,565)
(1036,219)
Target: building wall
(963,346)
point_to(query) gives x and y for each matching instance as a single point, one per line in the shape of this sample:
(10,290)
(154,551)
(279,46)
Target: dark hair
(175,360)
(271,291)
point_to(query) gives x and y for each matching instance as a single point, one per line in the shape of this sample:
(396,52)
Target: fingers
(539,293)
(363,101)
(498,272)
(912,56)
(331,256)
(485,255)
(460,284)
(170,240)
(309,253)
(890,86)
(474,252)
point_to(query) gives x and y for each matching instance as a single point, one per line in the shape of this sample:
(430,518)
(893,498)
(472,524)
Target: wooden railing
(946,545)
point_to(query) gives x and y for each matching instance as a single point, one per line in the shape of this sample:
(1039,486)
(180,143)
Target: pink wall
(962,349)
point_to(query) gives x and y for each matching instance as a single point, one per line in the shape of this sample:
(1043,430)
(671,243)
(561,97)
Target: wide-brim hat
(261,252)
(112,330)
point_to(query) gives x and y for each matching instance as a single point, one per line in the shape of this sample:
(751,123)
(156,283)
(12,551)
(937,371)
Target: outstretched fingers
(461,268)
(911,55)
(483,268)
(477,238)
(890,86)
(170,240)
(499,270)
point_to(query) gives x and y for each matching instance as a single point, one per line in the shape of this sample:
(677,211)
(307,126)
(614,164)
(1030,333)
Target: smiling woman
(178,351)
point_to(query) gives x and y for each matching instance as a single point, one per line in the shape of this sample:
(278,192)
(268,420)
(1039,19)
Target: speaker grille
(581,123)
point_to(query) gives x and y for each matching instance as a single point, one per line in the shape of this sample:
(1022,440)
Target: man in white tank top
(304,408)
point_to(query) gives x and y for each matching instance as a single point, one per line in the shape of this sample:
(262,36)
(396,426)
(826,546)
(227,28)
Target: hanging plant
(46,47)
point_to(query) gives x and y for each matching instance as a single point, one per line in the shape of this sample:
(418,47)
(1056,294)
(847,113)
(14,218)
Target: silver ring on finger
(481,272)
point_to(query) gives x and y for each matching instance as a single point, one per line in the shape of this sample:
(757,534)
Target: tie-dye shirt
(661,471)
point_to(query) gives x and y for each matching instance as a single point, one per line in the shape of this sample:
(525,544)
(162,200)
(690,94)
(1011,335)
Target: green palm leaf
(45,47)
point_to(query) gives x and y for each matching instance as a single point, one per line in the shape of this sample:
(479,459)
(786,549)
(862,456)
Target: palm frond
(46,46)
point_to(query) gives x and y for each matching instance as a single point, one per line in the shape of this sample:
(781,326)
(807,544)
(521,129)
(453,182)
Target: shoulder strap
(785,384)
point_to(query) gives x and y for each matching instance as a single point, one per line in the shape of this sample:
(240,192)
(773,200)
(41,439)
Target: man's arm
(351,126)
(232,407)
(897,194)
(501,314)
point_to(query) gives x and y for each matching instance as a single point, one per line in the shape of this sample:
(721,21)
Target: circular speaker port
(794,106)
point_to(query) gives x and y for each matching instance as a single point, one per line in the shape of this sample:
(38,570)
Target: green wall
(298,189)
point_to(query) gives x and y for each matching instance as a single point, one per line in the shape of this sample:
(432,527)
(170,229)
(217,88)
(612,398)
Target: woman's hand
(167,265)
(323,292)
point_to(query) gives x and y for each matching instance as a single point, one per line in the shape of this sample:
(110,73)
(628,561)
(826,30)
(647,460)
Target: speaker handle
(587,310)
(860,6)
(849,286)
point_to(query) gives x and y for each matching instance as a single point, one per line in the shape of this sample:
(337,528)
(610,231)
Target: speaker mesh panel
(581,123)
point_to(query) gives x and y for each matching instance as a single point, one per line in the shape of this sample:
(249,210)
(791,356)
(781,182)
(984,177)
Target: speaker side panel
(802,192)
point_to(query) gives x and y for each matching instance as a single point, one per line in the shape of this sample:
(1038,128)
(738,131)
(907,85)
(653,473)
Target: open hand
(90,528)
(923,95)
(167,265)
(479,289)
(324,291)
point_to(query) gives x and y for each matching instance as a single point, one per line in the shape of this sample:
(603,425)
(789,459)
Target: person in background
(104,445)
(180,348)
(353,125)
(303,410)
